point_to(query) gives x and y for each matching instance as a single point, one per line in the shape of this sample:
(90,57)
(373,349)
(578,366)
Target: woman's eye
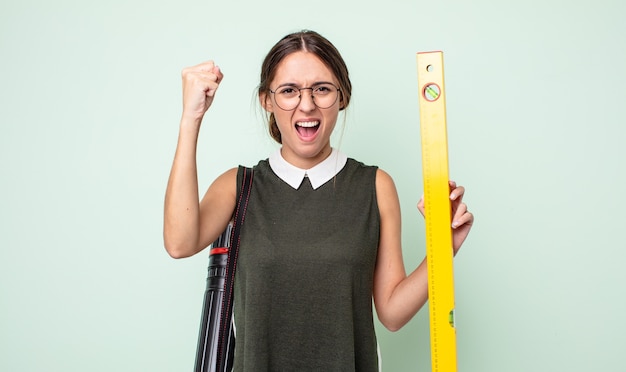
(322,89)
(287,91)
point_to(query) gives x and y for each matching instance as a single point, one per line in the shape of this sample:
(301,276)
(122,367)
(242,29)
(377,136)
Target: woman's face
(305,130)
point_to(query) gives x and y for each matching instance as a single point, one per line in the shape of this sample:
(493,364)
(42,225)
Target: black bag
(216,342)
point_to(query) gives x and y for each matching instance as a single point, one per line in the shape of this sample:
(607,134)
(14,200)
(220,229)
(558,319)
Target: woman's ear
(342,101)
(266,102)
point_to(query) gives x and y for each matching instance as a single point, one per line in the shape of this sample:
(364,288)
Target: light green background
(89,109)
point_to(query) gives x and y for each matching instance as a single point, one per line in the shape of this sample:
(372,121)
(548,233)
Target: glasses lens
(324,95)
(288,97)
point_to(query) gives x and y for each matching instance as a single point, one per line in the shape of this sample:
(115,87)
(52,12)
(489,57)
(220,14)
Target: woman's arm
(190,225)
(399,297)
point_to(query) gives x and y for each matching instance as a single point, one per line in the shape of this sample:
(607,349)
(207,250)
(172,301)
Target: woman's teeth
(307,129)
(307,124)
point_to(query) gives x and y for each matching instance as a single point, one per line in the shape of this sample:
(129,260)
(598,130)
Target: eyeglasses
(288,97)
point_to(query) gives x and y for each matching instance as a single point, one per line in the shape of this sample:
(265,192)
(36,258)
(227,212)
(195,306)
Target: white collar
(318,175)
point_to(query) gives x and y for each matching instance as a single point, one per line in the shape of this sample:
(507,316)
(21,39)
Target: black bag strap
(227,304)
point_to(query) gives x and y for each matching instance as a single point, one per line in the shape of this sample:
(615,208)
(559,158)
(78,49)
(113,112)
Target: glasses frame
(311,88)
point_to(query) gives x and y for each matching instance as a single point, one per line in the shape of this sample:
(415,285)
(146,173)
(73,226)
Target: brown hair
(308,41)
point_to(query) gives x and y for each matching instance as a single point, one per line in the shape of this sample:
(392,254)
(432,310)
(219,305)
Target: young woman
(322,231)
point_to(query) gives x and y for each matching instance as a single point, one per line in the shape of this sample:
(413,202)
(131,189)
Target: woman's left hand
(462,219)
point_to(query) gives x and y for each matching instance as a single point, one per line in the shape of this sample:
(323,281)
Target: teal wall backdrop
(89,107)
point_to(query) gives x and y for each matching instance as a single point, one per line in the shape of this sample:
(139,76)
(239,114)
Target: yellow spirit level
(439,255)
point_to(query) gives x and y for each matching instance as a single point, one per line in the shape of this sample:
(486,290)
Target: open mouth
(307,129)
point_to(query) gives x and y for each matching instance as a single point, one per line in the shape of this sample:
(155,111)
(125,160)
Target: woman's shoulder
(374,170)
(262,165)
(360,166)
(384,181)
(371,174)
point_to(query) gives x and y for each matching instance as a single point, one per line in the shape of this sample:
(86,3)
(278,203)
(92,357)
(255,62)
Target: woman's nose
(307,102)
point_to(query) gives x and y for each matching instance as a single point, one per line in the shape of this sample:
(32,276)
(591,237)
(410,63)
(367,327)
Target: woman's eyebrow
(298,86)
